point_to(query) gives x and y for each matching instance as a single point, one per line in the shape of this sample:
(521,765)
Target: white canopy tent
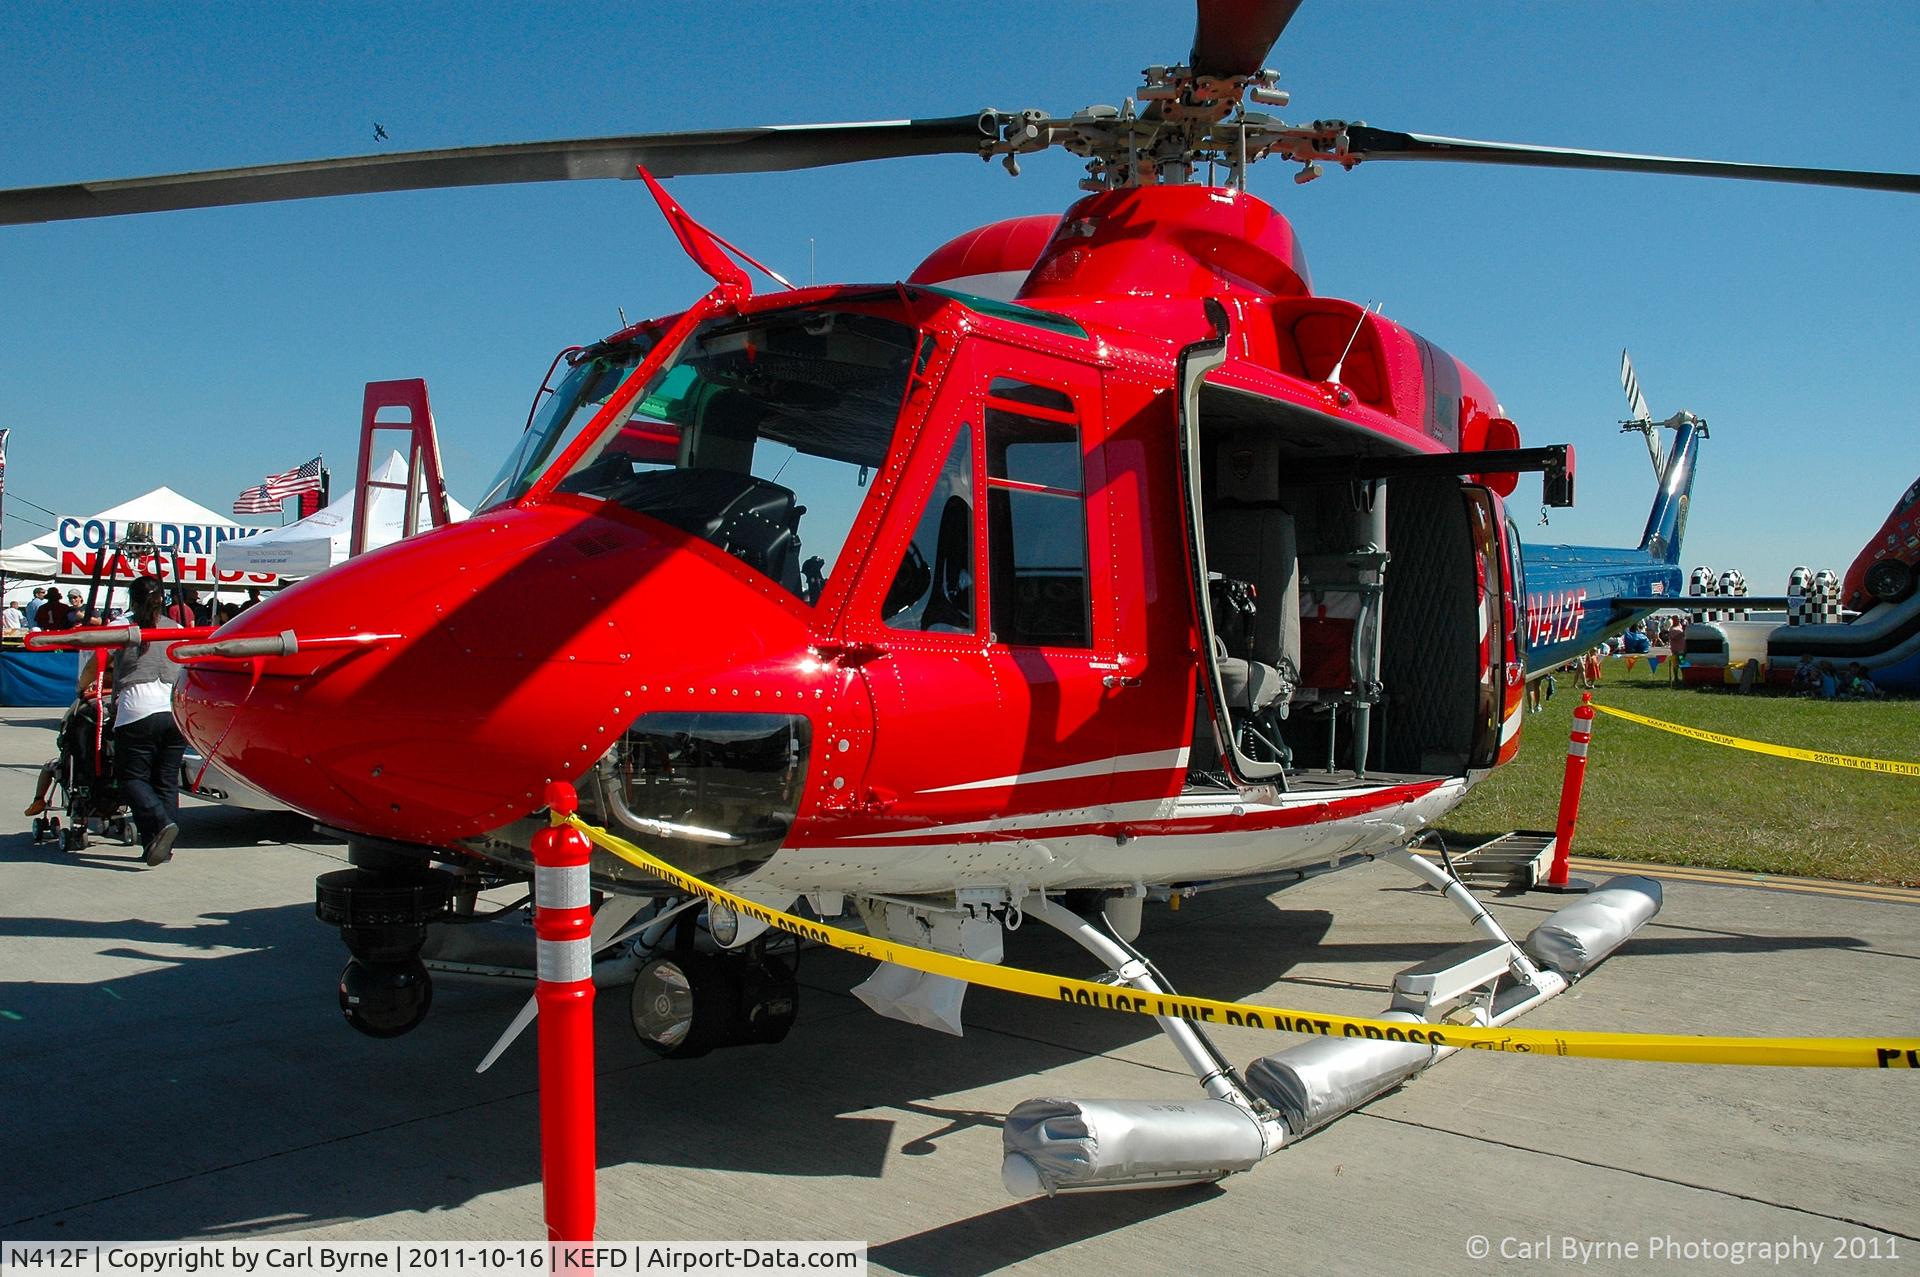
(29,560)
(322,539)
(164,505)
(46,558)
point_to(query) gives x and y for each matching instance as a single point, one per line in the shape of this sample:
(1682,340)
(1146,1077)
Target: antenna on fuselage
(1333,376)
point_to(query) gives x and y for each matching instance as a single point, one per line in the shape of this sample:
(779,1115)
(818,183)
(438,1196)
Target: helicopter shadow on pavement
(213,1090)
(1019,1231)
(246,827)
(200,824)
(841,1061)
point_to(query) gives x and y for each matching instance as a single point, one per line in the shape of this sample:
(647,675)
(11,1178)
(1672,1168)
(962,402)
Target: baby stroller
(83,784)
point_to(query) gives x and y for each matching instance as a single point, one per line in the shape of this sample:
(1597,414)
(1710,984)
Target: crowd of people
(49,609)
(1637,643)
(1819,680)
(1822,682)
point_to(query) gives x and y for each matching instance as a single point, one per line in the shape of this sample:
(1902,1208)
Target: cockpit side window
(561,412)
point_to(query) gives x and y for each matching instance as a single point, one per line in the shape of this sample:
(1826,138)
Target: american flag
(256,501)
(265,497)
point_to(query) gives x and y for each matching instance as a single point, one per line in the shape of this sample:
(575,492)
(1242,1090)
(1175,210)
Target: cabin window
(1036,518)
(933,588)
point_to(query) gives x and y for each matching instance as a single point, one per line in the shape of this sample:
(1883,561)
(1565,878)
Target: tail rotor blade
(1636,402)
(1642,420)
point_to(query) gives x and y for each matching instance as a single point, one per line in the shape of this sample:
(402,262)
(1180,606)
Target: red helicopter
(1097,562)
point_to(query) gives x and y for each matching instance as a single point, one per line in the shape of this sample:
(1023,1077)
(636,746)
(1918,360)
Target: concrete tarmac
(173,1065)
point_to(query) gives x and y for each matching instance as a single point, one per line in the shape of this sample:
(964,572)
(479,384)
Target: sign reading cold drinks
(185,552)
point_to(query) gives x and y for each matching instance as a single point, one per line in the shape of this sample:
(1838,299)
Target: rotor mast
(1177,123)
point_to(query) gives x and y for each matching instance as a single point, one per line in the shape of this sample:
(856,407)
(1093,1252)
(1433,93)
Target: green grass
(1654,796)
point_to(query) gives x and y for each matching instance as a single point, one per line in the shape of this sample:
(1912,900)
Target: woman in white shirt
(147,746)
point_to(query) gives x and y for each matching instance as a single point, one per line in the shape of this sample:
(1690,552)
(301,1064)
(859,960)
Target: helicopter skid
(1060,1145)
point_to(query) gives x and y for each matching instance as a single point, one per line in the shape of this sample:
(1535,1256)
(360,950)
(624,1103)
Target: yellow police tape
(1855,1053)
(1889,766)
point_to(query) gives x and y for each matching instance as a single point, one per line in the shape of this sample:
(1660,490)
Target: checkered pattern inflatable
(1700,581)
(1799,604)
(1826,597)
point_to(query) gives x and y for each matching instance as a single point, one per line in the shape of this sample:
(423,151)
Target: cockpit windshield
(760,436)
(593,374)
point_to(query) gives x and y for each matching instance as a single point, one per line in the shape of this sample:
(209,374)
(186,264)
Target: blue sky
(205,349)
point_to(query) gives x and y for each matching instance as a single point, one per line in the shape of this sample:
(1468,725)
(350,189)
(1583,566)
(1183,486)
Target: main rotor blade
(1232,37)
(755,150)
(1382,144)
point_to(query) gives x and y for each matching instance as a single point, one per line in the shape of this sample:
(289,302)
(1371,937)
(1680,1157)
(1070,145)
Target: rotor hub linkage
(1177,122)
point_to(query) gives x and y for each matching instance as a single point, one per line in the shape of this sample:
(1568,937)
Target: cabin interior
(1346,614)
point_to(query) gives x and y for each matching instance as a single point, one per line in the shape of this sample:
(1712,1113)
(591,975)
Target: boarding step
(1518,861)
(1450,975)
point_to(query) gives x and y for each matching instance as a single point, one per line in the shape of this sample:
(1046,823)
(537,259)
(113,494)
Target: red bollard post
(1570,785)
(563,929)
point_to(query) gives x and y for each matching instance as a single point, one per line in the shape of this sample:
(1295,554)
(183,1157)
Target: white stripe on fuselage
(1160,760)
(1186,807)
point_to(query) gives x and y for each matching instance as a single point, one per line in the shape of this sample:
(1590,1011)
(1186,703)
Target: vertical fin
(1667,521)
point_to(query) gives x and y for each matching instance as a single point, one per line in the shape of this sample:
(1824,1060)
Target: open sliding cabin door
(1501,685)
(1343,639)
(1514,676)
(1225,680)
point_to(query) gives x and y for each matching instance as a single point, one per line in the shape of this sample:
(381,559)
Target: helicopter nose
(433,686)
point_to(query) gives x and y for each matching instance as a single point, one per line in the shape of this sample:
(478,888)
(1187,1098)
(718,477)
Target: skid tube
(1055,1146)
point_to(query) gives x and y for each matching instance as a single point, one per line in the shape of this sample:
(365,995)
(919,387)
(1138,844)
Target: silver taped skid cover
(1575,939)
(1061,1145)
(1317,1081)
